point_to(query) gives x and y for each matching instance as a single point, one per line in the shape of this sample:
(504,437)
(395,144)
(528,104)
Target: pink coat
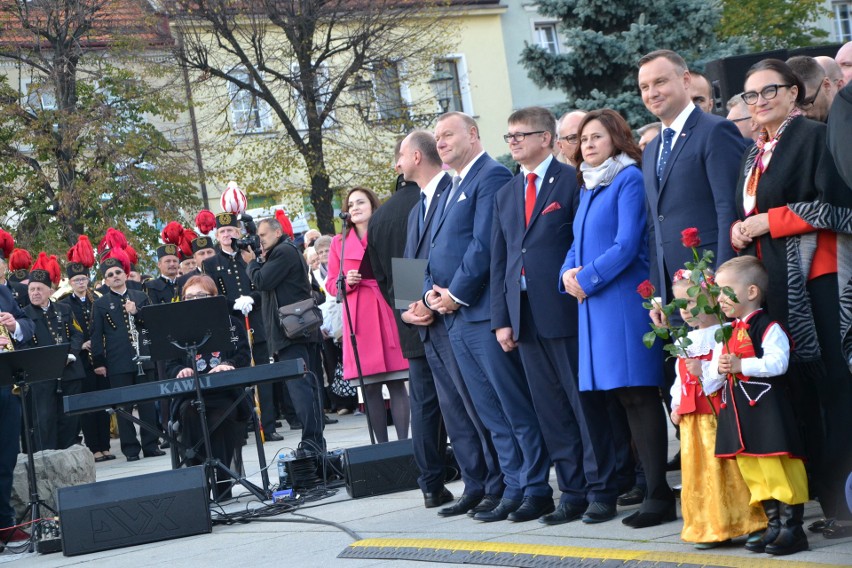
(374,324)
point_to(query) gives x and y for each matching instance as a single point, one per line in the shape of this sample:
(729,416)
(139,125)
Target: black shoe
(674,463)
(438,498)
(273,437)
(488,503)
(499,513)
(462,506)
(165,445)
(133,458)
(639,520)
(278,424)
(155,453)
(773,527)
(633,497)
(792,538)
(598,512)
(531,508)
(564,513)
(836,530)
(820,525)
(295,425)
(327,420)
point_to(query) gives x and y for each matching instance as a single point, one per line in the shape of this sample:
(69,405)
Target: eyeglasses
(113,274)
(735,120)
(808,102)
(571,138)
(196,296)
(768,93)
(83,280)
(519,136)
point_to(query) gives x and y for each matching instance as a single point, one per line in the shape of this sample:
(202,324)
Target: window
(545,37)
(248,113)
(843,21)
(387,88)
(322,82)
(39,95)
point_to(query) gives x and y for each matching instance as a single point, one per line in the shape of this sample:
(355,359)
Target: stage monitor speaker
(380,468)
(727,75)
(134,510)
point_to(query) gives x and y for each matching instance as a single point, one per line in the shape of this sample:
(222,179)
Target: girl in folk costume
(714,498)
(757,425)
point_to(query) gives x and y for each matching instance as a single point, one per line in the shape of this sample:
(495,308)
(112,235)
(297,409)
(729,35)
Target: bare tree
(310,63)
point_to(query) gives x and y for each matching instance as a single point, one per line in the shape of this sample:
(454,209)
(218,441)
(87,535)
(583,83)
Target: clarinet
(134,339)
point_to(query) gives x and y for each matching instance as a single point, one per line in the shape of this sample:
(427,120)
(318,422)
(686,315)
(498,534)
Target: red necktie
(530,199)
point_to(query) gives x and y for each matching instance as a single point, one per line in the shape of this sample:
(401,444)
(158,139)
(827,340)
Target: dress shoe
(133,458)
(674,463)
(639,520)
(463,505)
(273,437)
(488,502)
(633,497)
(564,513)
(295,425)
(836,530)
(598,512)
(531,508)
(329,420)
(101,458)
(438,498)
(278,424)
(820,525)
(155,453)
(500,512)
(108,457)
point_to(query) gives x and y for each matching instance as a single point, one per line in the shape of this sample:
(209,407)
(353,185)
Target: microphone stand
(343,295)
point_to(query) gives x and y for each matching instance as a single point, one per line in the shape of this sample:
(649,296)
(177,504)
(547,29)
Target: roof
(115,21)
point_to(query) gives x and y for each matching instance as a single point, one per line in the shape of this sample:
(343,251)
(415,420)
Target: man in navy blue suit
(420,163)
(690,170)
(20,329)
(532,232)
(457,285)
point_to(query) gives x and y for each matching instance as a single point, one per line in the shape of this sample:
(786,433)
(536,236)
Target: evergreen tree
(604,40)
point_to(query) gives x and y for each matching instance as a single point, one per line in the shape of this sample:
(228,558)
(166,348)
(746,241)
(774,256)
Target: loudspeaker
(727,75)
(380,469)
(134,510)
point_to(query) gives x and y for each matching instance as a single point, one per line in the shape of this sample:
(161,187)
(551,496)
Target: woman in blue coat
(607,261)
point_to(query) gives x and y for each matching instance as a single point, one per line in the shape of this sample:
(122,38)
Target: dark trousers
(834,392)
(304,392)
(265,391)
(473,448)
(126,429)
(95,424)
(10,431)
(647,420)
(500,392)
(628,470)
(52,428)
(427,427)
(574,425)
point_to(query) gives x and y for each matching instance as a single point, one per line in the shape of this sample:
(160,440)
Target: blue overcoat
(611,244)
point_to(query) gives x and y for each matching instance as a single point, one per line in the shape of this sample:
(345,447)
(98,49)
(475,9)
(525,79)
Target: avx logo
(132,519)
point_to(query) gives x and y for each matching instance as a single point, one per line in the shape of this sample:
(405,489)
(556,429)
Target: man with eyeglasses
(114,348)
(817,99)
(567,135)
(740,115)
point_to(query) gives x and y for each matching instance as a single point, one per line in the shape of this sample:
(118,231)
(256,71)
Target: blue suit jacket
(539,249)
(8,304)
(460,255)
(697,190)
(417,245)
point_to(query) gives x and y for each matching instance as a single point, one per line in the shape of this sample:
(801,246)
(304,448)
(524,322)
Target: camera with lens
(251,240)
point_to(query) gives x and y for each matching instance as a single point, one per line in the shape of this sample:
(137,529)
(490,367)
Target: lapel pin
(550,180)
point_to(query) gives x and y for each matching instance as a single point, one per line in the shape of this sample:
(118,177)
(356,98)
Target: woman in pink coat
(379,350)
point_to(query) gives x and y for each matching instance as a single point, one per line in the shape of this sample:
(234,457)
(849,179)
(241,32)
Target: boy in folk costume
(714,498)
(756,421)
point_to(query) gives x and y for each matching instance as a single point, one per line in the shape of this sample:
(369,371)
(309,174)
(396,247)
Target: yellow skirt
(714,498)
(775,477)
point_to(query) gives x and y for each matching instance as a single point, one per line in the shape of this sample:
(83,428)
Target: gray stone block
(54,469)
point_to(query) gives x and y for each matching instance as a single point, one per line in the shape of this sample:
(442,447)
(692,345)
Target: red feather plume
(131,255)
(82,252)
(54,269)
(205,221)
(286,225)
(7,243)
(20,259)
(114,239)
(171,233)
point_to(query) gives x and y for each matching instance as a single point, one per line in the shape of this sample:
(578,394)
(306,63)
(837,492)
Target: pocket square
(462,197)
(551,208)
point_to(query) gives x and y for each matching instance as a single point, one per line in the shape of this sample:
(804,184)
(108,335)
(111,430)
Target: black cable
(315,521)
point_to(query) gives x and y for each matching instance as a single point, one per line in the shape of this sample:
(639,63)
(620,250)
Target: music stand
(20,368)
(180,329)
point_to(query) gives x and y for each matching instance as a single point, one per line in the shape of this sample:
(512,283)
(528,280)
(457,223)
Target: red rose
(689,237)
(646,289)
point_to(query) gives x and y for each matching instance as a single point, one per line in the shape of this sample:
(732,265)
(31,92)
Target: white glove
(244,304)
(71,359)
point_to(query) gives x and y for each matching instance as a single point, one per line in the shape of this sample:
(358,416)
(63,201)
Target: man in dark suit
(532,231)
(19,329)
(457,285)
(479,467)
(387,229)
(115,316)
(690,170)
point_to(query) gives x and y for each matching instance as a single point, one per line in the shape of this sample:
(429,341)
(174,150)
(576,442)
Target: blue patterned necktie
(668,134)
(422,218)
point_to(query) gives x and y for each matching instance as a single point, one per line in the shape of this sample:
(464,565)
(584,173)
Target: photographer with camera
(280,272)
(228,270)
